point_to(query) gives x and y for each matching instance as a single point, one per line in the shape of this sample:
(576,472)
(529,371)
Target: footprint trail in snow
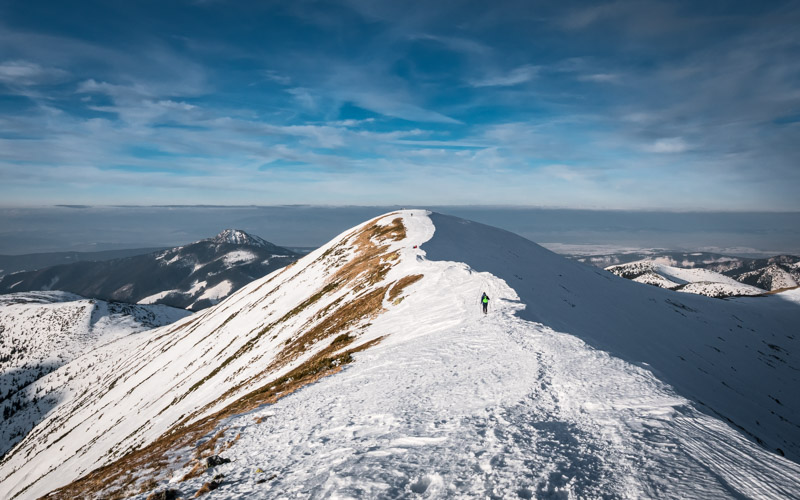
(475,406)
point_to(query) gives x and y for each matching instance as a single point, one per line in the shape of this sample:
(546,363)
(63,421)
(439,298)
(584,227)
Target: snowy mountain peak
(239,237)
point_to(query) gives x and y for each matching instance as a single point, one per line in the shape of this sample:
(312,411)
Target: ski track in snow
(458,404)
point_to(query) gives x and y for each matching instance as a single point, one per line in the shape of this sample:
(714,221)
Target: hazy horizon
(58,228)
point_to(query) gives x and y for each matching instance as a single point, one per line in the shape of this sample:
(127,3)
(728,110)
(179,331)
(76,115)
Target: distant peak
(239,237)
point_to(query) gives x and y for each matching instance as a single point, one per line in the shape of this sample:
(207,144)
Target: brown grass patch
(779,290)
(206,488)
(365,306)
(401,285)
(230,443)
(195,471)
(148,485)
(207,449)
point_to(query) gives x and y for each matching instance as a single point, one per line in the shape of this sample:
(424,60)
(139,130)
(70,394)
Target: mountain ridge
(193,276)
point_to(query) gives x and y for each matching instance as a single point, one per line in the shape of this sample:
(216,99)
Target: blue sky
(621,105)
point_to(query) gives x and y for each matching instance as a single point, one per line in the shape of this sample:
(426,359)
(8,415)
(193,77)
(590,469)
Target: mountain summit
(368,369)
(239,237)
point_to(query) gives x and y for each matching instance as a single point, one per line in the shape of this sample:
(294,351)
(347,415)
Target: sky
(633,105)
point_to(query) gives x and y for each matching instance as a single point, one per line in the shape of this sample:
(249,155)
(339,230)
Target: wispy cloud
(600,78)
(667,145)
(584,104)
(458,44)
(516,76)
(29,73)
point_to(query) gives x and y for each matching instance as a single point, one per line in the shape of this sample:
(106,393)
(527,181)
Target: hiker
(485,302)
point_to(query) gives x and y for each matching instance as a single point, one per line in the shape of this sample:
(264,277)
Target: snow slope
(41,331)
(739,357)
(492,407)
(772,277)
(577,384)
(694,280)
(300,317)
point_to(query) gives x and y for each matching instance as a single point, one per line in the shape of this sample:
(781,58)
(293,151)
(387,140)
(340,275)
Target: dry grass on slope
(120,479)
(367,267)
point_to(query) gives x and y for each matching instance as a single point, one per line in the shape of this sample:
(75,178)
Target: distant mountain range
(29,262)
(193,276)
(708,274)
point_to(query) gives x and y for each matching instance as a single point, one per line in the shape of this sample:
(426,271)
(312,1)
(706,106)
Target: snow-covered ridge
(313,312)
(553,394)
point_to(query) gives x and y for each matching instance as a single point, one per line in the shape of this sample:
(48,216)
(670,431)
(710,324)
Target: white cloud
(274,76)
(394,105)
(457,44)
(668,145)
(563,172)
(303,97)
(600,78)
(29,73)
(350,122)
(516,76)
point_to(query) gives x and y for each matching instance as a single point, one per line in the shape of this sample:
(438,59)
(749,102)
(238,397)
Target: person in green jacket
(485,302)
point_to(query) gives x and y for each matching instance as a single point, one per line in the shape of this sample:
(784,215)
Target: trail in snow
(455,403)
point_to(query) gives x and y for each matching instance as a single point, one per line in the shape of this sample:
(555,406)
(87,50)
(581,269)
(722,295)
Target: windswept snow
(457,404)
(790,295)
(694,275)
(492,407)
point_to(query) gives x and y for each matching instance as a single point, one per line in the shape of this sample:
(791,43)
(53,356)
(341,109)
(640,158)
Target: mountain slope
(441,400)
(699,281)
(772,277)
(304,319)
(774,273)
(737,357)
(41,331)
(193,276)
(30,262)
